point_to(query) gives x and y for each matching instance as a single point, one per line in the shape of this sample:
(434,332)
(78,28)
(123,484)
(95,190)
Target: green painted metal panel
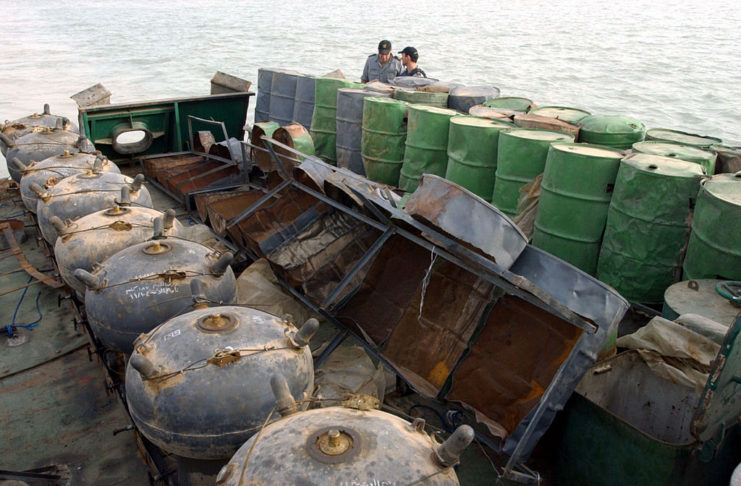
(167,120)
(575,194)
(615,131)
(563,113)
(472,153)
(714,249)
(682,138)
(648,225)
(600,449)
(682,152)
(439,100)
(521,156)
(510,103)
(324,119)
(426,150)
(383,139)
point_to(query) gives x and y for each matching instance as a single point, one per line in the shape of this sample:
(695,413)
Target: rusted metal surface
(467,218)
(154,165)
(224,209)
(318,258)
(546,123)
(513,361)
(296,137)
(184,173)
(419,310)
(25,265)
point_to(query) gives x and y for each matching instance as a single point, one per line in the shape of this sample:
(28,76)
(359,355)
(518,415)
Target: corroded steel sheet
(468,218)
(512,362)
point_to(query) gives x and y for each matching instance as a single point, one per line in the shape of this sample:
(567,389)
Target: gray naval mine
(374,284)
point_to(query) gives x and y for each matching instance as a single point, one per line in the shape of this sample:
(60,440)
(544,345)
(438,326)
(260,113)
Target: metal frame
(451,251)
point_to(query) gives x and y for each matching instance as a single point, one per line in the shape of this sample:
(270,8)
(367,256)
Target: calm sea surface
(669,64)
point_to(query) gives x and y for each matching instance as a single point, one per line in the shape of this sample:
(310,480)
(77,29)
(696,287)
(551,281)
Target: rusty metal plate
(467,218)
(280,219)
(435,329)
(392,282)
(512,362)
(208,175)
(222,210)
(153,165)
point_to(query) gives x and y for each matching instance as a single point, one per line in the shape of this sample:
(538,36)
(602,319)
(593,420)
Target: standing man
(409,57)
(383,66)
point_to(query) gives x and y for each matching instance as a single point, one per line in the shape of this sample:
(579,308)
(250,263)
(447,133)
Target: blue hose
(30,325)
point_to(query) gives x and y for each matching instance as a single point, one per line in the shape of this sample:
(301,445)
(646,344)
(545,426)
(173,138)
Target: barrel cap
(434,110)
(547,135)
(612,124)
(511,103)
(726,187)
(693,139)
(474,121)
(588,150)
(674,150)
(663,166)
(563,113)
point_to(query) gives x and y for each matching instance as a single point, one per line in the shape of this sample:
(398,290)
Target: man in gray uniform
(383,66)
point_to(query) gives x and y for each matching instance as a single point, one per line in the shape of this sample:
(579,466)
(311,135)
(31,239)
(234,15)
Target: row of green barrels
(648,196)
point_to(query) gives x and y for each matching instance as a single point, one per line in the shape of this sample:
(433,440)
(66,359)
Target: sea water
(670,64)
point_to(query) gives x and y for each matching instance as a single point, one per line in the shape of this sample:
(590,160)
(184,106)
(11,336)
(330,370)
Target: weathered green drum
(511,103)
(472,153)
(422,97)
(714,249)
(615,131)
(324,119)
(647,226)
(682,138)
(575,194)
(681,152)
(384,134)
(521,157)
(426,150)
(563,113)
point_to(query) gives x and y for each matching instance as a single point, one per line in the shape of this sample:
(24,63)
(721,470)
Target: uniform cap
(411,52)
(384,47)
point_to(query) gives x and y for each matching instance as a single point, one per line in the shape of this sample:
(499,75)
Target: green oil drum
(615,131)
(384,133)
(422,97)
(681,152)
(426,150)
(714,249)
(563,113)
(472,153)
(575,194)
(647,226)
(510,103)
(682,138)
(324,119)
(520,158)
(698,297)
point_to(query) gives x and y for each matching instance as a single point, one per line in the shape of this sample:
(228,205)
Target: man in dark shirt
(409,57)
